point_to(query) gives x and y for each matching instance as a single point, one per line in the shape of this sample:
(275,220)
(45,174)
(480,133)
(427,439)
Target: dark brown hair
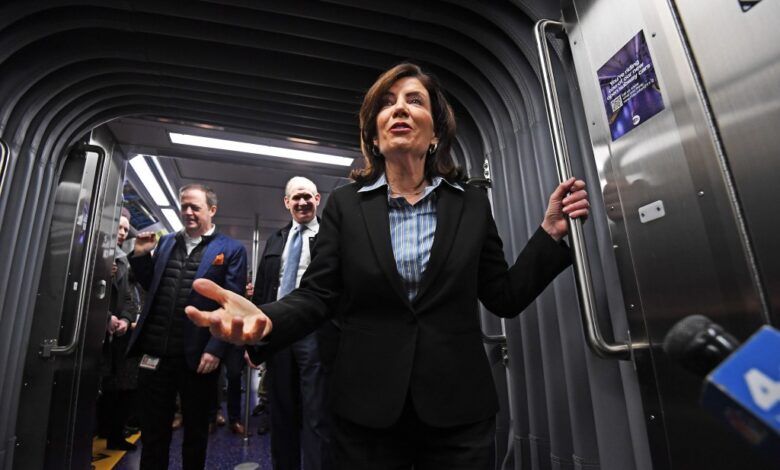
(437,164)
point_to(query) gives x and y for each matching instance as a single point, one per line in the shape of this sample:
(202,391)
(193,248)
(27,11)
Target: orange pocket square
(219,260)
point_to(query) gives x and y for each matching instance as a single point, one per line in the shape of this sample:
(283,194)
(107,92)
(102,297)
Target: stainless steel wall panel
(692,260)
(738,57)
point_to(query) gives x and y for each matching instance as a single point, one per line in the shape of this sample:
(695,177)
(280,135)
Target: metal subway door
(737,53)
(675,220)
(54,429)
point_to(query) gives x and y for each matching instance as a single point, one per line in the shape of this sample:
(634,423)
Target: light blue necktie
(293,260)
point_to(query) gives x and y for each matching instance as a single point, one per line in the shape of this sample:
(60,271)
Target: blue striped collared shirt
(412,228)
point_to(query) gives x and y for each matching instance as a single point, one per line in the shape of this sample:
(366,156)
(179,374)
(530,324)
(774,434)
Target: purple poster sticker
(629,87)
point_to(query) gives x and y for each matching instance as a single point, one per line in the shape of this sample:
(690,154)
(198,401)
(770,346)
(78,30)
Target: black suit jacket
(430,348)
(267,279)
(267,288)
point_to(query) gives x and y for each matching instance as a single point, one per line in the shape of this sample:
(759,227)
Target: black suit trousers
(157,397)
(297,383)
(410,444)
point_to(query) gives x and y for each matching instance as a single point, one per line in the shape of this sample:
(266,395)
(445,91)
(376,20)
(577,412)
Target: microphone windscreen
(678,340)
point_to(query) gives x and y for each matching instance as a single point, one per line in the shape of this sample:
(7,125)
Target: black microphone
(742,382)
(698,344)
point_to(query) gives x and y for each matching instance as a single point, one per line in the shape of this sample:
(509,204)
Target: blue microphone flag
(744,391)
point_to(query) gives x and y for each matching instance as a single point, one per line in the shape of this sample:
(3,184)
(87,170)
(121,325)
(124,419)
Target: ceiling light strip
(173,194)
(145,174)
(257,149)
(173,218)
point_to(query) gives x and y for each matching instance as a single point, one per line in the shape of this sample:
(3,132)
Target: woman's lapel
(449,208)
(375,215)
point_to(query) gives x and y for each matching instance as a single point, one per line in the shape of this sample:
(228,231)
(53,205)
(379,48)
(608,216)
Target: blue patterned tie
(293,260)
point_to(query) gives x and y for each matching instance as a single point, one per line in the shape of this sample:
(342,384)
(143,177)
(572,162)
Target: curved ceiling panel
(291,69)
(264,68)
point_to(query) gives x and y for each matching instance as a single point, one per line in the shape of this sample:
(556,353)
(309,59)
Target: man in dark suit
(177,356)
(296,377)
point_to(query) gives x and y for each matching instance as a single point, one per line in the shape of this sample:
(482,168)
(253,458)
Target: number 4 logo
(764,390)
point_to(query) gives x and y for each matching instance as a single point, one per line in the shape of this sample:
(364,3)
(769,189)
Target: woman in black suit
(403,256)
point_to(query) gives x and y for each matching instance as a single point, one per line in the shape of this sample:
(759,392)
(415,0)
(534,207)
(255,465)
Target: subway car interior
(668,109)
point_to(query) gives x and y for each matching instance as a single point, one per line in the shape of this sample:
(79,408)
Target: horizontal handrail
(493,339)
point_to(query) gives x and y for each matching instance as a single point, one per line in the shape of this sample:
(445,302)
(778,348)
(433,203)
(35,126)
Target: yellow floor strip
(105,459)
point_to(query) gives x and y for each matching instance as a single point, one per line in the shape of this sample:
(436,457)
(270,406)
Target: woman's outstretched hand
(238,321)
(575,205)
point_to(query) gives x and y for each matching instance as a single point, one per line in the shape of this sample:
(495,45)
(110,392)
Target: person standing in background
(296,375)
(176,356)
(115,397)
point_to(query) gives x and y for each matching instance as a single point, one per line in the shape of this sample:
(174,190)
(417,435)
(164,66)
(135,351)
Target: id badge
(149,362)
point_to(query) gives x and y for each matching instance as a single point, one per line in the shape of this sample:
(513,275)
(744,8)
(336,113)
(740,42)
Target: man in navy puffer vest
(177,356)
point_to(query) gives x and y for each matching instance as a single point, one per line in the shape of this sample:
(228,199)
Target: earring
(375,150)
(432,148)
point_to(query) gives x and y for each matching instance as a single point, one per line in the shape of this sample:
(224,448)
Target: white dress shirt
(191,243)
(311,230)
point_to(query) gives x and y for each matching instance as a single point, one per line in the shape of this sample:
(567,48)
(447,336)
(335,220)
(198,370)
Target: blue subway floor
(226,451)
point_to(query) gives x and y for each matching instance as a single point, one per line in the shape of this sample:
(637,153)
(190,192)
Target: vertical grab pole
(255,248)
(586,296)
(247,369)
(247,399)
